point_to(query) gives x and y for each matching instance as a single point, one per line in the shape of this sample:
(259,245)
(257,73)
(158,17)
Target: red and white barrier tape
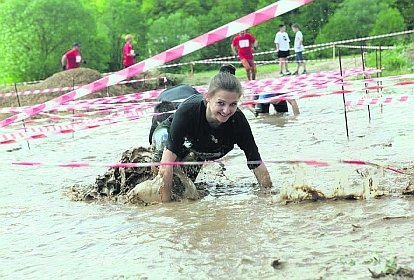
(327,45)
(181,50)
(56,90)
(315,163)
(379,100)
(300,83)
(37,91)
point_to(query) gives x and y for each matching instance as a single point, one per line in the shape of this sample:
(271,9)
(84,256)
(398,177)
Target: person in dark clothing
(170,99)
(206,128)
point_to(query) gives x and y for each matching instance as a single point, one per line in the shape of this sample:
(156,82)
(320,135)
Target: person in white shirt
(282,48)
(299,48)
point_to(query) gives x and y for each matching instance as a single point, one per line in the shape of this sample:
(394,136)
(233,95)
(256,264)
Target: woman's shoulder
(192,104)
(239,118)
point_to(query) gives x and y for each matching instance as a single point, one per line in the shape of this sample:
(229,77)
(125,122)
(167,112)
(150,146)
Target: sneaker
(295,73)
(288,73)
(304,72)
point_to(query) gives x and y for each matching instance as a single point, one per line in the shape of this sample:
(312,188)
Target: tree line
(35,34)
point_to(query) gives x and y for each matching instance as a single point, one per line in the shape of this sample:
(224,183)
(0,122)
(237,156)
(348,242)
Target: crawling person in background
(206,128)
(280,107)
(72,58)
(299,48)
(243,45)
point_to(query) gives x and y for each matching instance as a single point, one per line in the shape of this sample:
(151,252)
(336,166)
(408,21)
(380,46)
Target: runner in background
(243,45)
(282,49)
(128,52)
(299,48)
(72,58)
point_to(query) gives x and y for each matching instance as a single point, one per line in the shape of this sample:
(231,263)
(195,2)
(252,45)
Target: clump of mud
(409,190)
(394,270)
(137,185)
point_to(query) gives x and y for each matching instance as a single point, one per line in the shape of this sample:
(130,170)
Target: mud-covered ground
(234,232)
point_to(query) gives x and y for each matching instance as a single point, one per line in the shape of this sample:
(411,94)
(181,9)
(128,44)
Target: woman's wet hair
(224,81)
(229,68)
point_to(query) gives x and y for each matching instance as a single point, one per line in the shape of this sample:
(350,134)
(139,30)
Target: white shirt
(299,42)
(282,38)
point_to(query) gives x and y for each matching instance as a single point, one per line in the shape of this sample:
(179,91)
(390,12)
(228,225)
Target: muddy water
(235,232)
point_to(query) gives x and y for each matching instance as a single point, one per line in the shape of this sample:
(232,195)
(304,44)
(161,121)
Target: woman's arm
(166,172)
(262,176)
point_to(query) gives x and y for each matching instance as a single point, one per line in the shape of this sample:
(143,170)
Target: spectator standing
(128,52)
(72,58)
(243,45)
(282,49)
(298,45)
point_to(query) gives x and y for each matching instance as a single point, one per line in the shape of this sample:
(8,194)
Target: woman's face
(221,106)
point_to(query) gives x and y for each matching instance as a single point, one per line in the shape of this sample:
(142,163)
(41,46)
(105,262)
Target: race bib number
(244,43)
(132,52)
(78,59)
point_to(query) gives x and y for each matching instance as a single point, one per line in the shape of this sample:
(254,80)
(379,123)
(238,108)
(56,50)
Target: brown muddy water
(235,232)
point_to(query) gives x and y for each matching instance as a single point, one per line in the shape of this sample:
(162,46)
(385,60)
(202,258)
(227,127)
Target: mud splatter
(137,185)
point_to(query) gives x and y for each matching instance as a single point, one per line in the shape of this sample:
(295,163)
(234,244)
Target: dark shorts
(263,108)
(282,54)
(299,57)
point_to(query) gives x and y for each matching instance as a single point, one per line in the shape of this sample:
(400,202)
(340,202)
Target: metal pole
(365,76)
(343,94)
(20,105)
(73,111)
(333,52)
(380,67)
(376,66)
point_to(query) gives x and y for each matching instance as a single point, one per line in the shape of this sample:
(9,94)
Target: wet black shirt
(189,124)
(175,95)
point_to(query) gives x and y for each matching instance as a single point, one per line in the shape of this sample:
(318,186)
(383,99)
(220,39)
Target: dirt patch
(83,76)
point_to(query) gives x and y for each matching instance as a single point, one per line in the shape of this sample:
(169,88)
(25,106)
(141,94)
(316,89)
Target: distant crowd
(242,46)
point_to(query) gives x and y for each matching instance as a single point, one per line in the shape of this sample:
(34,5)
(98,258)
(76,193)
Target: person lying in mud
(280,107)
(206,128)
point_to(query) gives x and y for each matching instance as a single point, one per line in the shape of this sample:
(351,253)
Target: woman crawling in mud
(206,128)
(202,128)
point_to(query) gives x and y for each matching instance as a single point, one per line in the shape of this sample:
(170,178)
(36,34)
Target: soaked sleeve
(246,142)
(179,128)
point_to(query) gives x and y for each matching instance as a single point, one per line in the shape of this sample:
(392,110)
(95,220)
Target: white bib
(78,59)
(244,43)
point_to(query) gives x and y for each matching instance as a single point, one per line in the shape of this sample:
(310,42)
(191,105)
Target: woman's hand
(262,176)
(166,173)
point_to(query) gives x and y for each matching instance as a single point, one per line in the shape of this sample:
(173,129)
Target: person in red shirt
(128,51)
(72,58)
(244,43)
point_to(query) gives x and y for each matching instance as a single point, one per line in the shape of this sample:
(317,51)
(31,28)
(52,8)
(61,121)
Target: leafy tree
(353,19)
(122,17)
(162,38)
(35,34)
(406,8)
(388,21)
